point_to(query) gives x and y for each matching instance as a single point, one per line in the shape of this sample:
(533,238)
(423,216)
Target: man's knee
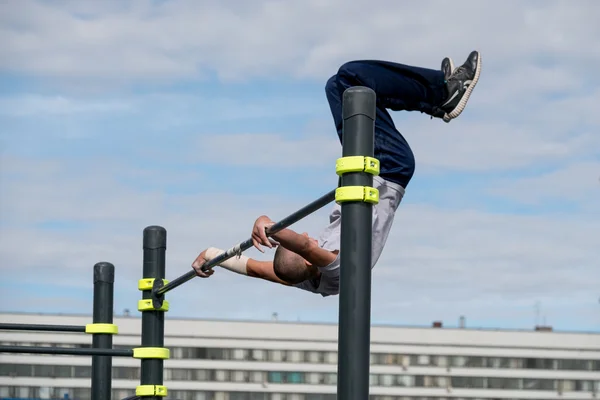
(332,85)
(351,69)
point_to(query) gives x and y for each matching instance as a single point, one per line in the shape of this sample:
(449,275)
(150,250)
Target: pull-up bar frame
(245,245)
(356,196)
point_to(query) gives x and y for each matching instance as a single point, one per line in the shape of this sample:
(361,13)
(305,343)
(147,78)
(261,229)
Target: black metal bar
(243,246)
(40,327)
(354,326)
(66,351)
(153,322)
(104,278)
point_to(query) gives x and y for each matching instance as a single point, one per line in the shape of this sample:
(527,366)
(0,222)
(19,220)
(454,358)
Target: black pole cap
(359,100)
(104,272)
(155,237)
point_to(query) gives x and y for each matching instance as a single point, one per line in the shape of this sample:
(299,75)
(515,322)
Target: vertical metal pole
(153,322)
(104,279)
(355,252)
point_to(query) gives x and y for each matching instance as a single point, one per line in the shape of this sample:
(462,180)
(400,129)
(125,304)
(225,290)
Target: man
(314,264)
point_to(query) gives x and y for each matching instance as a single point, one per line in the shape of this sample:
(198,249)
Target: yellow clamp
(148,283)
(151,390)
(146,305)
(160,353)
(102,328)
(357,164)
(357,193)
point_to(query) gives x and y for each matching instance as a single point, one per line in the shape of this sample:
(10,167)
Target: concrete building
(235,360)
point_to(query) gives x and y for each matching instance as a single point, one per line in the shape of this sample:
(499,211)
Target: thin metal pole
(40,327)
(355,251)
(67,351)
(245,245)
(104,279)
(153,321)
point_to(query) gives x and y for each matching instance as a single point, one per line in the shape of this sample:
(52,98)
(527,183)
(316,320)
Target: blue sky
(202,115)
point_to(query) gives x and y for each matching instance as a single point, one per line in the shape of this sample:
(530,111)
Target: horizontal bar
(243,246)
(38,327)
(67,351)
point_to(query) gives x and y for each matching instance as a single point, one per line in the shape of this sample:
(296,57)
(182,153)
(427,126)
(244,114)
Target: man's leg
(398,87)
(440,93)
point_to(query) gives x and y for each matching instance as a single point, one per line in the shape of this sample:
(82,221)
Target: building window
(240,376)
(294,377)
(180,374)
(440,361)
(572,365)
(277,355)
(540,363)
(204,375)
(386,380)
(257,376)
(222,375)
(496,383)
(239,354)
(540,384)
(259,355)
(312,378)
(476,362)
(459,361)
(275,377)
(43,371)
(331,379)
(125,373)
(405,380)
(440,381)
(373,380)
(295,356)
(331,357)
(467,382)
(584,386)
(314,357)
(83,372)
(86,394)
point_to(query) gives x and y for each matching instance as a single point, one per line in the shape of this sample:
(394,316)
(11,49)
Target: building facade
(236,360)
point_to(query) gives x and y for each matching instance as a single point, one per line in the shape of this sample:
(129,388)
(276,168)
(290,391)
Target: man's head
(291,267)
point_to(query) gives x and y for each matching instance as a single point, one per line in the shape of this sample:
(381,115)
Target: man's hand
(198,263)
(259,235)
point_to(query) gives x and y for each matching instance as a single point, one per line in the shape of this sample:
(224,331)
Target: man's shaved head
(290,267)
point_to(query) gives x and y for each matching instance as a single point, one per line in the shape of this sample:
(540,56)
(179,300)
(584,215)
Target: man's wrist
(234,264)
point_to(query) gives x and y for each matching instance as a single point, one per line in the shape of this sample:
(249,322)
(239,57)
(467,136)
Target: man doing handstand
(314,264)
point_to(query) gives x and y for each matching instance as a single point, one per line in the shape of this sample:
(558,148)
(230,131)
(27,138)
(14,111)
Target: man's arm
(243,265)
(263,270)
(305,247)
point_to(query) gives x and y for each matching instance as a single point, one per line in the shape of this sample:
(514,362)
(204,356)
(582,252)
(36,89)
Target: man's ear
(307,263)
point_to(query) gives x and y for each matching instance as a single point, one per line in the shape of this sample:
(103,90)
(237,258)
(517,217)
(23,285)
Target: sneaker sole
(463,102)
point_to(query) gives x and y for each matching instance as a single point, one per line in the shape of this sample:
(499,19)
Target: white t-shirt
(390,196)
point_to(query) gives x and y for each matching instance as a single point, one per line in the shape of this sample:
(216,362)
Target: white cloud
(271,150)
(141,40)
(469,261)
(535,107)
(577,182)
(38,106)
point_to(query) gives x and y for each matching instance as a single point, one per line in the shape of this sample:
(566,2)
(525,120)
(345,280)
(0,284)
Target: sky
(201,115)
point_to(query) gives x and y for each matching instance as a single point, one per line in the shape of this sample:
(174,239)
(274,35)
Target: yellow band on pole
(111,329)
(357,193)
(147,305)
(151,390)
(151,352)
(357,164)
(148,283)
